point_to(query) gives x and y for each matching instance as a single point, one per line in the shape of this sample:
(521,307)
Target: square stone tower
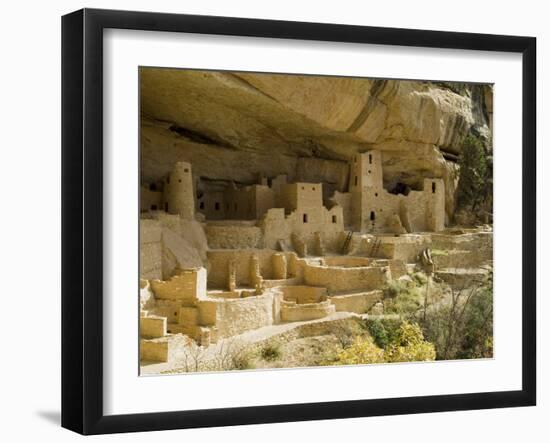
(366,171)
(301,196)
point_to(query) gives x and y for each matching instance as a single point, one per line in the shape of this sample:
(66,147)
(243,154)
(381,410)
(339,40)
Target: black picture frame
(82,218)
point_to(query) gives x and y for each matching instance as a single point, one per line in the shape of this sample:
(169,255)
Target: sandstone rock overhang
(234,125)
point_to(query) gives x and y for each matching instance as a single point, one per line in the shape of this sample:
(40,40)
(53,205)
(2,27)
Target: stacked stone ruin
(274,252)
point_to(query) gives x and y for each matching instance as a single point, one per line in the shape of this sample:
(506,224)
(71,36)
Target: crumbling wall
(149,200)
(186,287)
(232,236)
(275,227)
(219,265)
(152,326)
(235,316)
(150,249)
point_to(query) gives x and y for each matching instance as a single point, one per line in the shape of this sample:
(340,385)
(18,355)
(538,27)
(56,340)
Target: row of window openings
(155,207)
(217,206)
(305,218)
(376,194)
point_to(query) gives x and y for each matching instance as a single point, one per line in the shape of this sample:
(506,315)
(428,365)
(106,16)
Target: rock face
(234,126)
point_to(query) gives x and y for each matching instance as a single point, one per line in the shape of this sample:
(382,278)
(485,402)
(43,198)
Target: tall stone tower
(179,195)
(366,184)
(366,171)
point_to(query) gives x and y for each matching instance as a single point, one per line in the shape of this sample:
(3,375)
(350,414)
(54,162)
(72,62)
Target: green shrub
(404,298)
(271,352)
(474,183)
(383,332)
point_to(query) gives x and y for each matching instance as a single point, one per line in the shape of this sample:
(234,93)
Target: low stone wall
(291,311)
(358,303)
(153,350)
(338,279)
(162,349)
(235,316)
(398,268)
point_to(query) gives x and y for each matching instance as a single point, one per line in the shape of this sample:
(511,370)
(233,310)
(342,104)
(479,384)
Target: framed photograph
(269,221)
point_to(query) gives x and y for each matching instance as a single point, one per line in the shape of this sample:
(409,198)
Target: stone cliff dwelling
(218,263)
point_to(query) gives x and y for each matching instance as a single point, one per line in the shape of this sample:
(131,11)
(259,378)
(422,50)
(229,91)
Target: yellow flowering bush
(362,351)
(409,345)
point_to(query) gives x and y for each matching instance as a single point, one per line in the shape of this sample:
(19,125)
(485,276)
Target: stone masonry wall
(337,279)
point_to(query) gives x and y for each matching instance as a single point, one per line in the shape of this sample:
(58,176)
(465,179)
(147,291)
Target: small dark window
(305,218)
(303,188)
(153,207)
(179,180)
(376,194)
(313,188)
(355,180)
(369,171)
(433,187)
(175,313)
(370,158)
(372,215)
(166,207)
(201,205)
(217,206)
(152,187)
(269,182)
(334,219)
(186,170)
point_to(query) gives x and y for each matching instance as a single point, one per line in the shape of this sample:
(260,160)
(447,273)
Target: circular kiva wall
(347,262)
(303,294)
